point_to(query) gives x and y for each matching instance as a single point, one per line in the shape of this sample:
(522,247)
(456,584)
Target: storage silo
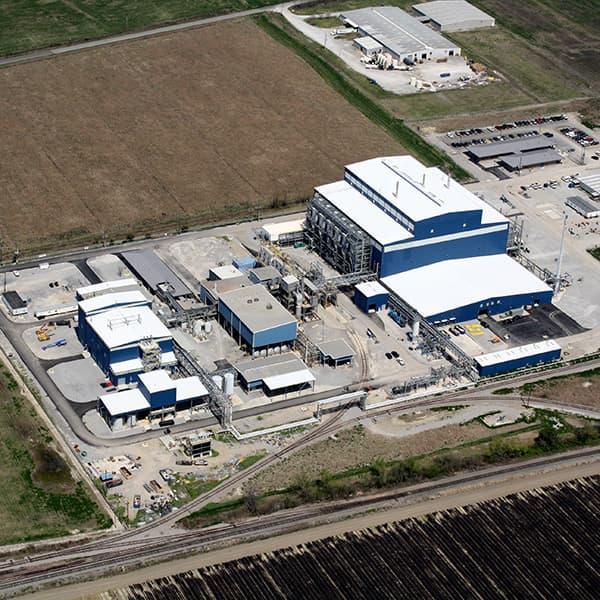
(218,381)
(228,383)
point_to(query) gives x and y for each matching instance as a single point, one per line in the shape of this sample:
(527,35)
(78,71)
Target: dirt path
(449,499)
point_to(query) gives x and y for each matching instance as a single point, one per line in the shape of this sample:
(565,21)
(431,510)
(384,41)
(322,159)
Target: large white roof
(422,192)
(188,388)
(272,231)
(96,303)
(502,356)
(451,284)
(452,13)
(125,402)
(277,382)
(371,219)
(122,326)
(156,381)
(105,286)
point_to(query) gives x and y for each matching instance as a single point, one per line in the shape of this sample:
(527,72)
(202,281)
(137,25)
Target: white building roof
(451,284)
(125,402)
(105,286)
(397,30)
(450,14)
(96,303)
(226,272)
(371,288)
(167,359)
(368,43)
(502,356)
(123,326)
(272,231)
(277,382)
(422,192)
(359,209)
(189,388)
(156,381)
(590,183)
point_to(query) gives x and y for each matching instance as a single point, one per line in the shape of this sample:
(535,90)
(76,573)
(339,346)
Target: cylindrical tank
(263,352)
(117,424)
(218,381)
(208,327)
(298,305)
(276,350)
(132,420)
(284,348)
(415,329)
(198,325)
(228,384)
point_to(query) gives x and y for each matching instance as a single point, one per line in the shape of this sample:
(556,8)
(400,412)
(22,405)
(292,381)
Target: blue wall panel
(371,302)
(399,261)
(277,335)
(519,363)
(448,223)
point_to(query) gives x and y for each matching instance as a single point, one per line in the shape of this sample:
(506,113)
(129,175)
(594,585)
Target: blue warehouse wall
(276,335)
(448,223)
(519,363)
(412,258)
(365,303)
(493,306)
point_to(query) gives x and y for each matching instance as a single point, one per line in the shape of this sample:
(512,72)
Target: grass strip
(395,127)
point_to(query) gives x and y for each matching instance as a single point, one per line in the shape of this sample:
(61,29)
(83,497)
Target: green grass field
(38,496)
(31,24)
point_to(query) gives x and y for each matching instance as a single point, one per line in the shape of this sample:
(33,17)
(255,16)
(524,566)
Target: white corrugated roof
(503,356)
(368,43)
(125,402)
(104,286)
(167,359)
(451,284)
(122,326)
(423,192)
(359,209)
(276,382)
(274,230)
(107,300)
(189,388)
(371,288)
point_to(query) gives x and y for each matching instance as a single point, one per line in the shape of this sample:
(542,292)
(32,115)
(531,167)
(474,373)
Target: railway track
(171,545)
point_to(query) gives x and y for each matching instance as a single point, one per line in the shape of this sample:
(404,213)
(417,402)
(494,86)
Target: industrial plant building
(453,15)
(517,358)
(14,303)
(124,336)
(254,318)
(157,394)
(400,34)
(430,241)
(589,183)
(584,207)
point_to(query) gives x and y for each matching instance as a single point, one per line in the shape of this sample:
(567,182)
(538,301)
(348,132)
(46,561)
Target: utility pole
(560,254)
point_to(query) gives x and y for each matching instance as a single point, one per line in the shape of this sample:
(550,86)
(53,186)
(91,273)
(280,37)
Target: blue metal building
(370,296)
(256,319)
(517,358)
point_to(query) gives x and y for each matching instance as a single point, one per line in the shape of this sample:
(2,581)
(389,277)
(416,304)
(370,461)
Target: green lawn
(38,496)
(31,24)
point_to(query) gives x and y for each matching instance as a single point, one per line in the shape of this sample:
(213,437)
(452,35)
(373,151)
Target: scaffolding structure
(151,353)
(330,233)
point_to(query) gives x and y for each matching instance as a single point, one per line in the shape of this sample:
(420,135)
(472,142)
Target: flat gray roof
(257,369)
(335,349)
(530,159)
(256,308)
(152,271)
(13,300)
(397,30)
(494,149)
(451,12)
(264,273)
(582,205)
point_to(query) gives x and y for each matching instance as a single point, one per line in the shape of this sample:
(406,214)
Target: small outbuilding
(370,296)
(453,15)
(14,303)
(584,207)
(336,352)
(367,45)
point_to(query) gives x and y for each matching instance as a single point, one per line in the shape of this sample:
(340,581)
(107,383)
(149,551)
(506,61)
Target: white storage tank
(228,383)
(117,424)
(198,327)
(208,327)
(132,420)
(218,381)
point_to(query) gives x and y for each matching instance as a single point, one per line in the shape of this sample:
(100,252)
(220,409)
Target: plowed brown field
(176,130)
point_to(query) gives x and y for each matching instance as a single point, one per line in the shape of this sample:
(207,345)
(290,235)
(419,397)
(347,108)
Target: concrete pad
(73,346)
(78,380)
